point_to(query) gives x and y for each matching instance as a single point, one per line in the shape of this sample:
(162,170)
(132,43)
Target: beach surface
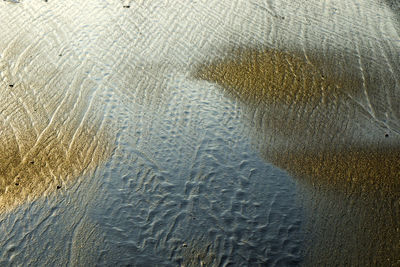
(199,133)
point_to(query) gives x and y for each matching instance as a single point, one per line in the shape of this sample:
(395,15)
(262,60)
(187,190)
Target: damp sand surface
(51,164)
(310,124)
(310,118)
(148,173)
(160,168)
(50,130)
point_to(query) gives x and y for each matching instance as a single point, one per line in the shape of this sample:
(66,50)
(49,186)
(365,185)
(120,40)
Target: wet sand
(298,108)
(279,136)
(51,131)
(310,124)
(51,163)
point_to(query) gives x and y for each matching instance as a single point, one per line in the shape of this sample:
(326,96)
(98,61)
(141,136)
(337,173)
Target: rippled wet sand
(50,133)
(190,133)
(306,123)
(50,165)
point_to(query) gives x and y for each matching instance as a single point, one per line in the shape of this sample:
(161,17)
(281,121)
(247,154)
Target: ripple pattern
(122,157)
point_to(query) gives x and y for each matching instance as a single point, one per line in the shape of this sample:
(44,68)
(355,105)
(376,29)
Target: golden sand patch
(51,131)
(295,103)
(267,76)
(307,122)
(198,254)
(369,169)
(51,164)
